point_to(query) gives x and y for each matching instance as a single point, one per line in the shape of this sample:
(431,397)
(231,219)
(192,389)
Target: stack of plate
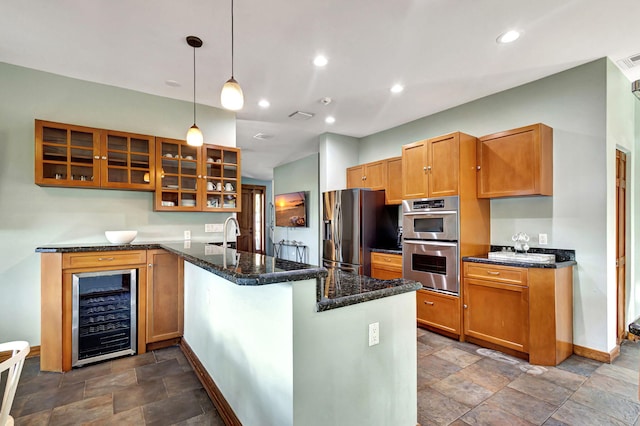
(188,203)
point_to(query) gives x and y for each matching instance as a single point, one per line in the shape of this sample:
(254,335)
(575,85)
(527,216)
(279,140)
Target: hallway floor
(458,383)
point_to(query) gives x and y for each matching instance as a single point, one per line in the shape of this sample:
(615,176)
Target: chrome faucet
(225,231)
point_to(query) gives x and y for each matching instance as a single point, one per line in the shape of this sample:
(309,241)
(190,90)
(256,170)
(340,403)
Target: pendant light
(231,96)
(194,135)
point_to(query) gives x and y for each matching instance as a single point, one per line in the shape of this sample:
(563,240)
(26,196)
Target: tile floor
(458,384)
(461,384)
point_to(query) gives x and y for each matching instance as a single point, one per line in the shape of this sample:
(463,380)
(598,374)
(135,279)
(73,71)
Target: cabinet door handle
(97,157)
(493,272)
(104,157)
(151,265)
(477,167)
(106,258)
(465,306)
(426,302)
(424,168)
(429,168)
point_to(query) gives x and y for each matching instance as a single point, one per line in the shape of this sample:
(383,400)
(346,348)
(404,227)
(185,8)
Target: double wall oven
(430,248)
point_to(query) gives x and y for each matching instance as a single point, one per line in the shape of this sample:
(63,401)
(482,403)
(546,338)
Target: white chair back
(13,366)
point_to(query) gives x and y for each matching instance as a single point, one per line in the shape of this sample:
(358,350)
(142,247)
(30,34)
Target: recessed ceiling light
(172,83)
(397,88)
(508,37)
(264,103)
(330,120)
(320,61)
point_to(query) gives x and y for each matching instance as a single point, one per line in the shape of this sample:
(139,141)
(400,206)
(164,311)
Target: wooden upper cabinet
(516,162)
(127,160)
(66,155)
(370,175)
(393,192)
(444,160)
(75,156)
(189,178)
(431,167)
(355,177)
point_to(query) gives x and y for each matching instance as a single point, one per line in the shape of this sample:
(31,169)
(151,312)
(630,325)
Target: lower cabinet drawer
(387,259)
(106,258)
(497,273)
(438,310)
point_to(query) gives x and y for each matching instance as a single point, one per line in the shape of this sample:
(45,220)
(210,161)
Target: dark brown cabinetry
(516,162)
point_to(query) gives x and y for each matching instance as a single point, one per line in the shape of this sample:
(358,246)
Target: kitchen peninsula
(282,343)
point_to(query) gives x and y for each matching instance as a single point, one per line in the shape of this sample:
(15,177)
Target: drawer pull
(386,259)
(493,272)
(428,303)
(105,258)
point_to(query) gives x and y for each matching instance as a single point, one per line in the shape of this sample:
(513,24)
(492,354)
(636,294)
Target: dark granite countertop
(335,288)
(564,258)
(390,250)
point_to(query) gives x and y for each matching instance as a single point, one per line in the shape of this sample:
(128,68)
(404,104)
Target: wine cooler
(104,315)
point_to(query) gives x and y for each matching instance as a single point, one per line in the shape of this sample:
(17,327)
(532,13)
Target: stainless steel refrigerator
(354,222)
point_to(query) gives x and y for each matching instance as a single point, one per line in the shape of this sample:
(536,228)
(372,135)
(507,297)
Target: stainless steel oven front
(433,263)
(430,219)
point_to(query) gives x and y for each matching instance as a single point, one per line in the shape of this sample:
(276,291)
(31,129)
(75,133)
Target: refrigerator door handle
(328,235)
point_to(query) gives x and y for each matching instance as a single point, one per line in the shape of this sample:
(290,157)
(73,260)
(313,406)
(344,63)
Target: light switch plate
(213,227)
(542,239)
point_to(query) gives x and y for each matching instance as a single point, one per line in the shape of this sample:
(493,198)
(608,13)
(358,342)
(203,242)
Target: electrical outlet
(374,333)
(187,235)
(213,227)
(542,239)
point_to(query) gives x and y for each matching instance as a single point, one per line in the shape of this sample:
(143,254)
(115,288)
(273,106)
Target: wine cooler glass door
(104,315)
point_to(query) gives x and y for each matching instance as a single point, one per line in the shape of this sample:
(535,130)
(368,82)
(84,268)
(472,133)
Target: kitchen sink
(510,256)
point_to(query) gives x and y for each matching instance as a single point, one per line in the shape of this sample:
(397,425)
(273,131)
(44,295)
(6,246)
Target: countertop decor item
(120,237)
(194,135)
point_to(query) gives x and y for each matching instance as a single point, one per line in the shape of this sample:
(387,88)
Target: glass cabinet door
(127,161)
(222,175)
(66,155)
(176,175)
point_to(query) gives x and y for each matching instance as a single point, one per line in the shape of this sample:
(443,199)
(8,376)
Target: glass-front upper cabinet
(69,155)
(191,178)
(66,155)
(127,161)
(222,175)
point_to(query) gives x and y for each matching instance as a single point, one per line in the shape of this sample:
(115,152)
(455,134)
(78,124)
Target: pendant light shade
(194,135)
(231,96)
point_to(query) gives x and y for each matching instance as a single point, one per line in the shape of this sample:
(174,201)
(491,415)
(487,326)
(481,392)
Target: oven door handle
(429,213)
(430,243)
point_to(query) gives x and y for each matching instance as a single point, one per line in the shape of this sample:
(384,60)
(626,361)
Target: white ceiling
(443,51)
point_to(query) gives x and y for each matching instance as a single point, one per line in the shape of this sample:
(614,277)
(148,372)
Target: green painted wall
(301,175)
(31,216)
(589,115)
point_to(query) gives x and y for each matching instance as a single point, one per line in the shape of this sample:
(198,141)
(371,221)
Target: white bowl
(120,237)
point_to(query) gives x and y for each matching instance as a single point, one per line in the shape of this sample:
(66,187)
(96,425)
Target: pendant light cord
(231,38)
(194,85)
